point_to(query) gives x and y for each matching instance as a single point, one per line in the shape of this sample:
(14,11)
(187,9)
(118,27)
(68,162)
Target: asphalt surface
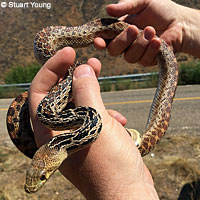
(135,105)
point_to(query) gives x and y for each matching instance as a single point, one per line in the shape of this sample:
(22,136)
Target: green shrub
(189,73)
(21,74)
(153,82)
(9,92)
(106,86)
(123,85)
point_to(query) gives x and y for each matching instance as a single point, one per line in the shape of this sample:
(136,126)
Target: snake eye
(43,177)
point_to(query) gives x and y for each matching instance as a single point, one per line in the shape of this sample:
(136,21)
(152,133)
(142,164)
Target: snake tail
(19,127)
(160,112)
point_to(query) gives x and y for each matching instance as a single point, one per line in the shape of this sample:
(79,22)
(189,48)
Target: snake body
(85,120)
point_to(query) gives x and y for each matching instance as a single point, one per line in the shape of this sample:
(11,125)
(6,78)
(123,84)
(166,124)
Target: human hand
(156,17)
(111,168)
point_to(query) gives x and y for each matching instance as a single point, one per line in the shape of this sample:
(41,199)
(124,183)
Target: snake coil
(49,157)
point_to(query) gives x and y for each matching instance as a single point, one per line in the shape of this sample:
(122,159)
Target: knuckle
(129,58)
(112,50)
(146,61)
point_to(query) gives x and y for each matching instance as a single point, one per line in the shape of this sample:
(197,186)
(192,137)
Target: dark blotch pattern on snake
(86,120)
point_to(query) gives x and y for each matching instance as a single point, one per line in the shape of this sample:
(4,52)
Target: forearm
(134,192)
(191,31)
(145,192)
(99,177)
(110,186)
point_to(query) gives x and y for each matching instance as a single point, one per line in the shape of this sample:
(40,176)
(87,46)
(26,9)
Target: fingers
(96,65)
(46,78)
(150,54)
(99,43)
(125,7)
(144,49)
(141,48)
(118,116)
(137,47)
(49,74)
(86,90)
(121,42)
(53,70)
(124,39)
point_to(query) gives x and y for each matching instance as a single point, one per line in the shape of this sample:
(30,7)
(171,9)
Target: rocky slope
(18,27)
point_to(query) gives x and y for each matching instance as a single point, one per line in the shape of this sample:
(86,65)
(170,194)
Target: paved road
(135,105)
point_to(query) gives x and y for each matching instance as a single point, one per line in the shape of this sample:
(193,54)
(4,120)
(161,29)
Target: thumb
(86,90)
(125,7)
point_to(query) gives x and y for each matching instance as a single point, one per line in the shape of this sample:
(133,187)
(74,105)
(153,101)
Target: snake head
(36,177)
(44,163)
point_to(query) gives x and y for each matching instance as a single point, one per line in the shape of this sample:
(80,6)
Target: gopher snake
(52,109)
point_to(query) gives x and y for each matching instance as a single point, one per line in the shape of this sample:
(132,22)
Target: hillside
(18,27)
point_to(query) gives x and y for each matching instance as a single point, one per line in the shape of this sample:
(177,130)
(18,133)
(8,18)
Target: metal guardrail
(18,86)
(102,80)
(131,77)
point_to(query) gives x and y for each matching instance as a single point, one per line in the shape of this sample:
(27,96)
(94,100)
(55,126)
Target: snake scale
(85,122)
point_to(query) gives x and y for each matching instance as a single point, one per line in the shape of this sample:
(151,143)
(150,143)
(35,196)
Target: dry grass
(175,162)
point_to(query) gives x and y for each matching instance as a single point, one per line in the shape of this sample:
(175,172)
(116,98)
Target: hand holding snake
(88,121)
(114,144)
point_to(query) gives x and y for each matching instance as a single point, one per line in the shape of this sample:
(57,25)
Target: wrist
(108,184)
(109,169)
(130,187)
(142,191)
(123,190)
(191,31)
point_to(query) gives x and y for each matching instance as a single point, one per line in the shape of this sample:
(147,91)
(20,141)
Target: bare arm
(176,24)
(111,168)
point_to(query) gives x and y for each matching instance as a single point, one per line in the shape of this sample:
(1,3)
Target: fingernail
(132,31)
(83,71)
(148,35)
(121,3)
(155,45)
(117,117)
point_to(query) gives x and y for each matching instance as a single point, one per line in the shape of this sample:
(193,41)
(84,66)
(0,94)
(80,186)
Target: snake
(83,124)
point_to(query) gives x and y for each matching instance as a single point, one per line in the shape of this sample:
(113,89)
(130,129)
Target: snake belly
(88,125)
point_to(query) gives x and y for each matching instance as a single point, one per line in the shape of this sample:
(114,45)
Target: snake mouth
(35,178)
(33,185)
(32,189)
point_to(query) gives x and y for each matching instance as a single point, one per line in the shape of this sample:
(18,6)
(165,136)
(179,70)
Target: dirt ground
(173,163)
